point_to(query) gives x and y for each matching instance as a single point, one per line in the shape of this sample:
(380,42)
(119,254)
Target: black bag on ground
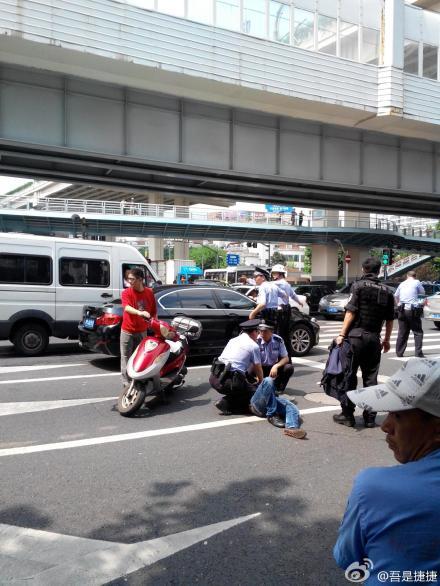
(336,376)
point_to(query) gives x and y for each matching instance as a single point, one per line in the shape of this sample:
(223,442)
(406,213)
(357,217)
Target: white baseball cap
(414,386)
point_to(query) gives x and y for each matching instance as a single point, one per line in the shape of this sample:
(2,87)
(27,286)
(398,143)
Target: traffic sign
(347,258)
(232,259)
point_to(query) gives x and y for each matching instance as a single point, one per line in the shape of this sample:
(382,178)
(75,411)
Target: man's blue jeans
(267,403)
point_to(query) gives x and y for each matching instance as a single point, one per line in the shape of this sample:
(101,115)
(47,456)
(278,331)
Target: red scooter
(158,363)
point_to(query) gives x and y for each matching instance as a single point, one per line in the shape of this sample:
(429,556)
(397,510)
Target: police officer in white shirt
(237,371)
(284,309)
(267,298)
(409,314)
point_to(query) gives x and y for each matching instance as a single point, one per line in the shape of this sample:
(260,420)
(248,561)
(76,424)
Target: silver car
(332,306)
(432,309)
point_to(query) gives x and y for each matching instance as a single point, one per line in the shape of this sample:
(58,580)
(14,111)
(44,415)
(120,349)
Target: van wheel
(301,340)
(31,339)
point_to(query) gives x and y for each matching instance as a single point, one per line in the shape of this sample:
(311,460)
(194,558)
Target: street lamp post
(344,253)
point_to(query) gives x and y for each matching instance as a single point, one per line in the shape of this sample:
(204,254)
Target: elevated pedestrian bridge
(140,220)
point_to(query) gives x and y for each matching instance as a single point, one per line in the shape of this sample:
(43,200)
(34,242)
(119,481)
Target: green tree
(278,258)
(308,260)
(208,257)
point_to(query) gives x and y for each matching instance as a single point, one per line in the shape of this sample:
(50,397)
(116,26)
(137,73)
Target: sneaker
(342,419)
(295,433)
(255,411)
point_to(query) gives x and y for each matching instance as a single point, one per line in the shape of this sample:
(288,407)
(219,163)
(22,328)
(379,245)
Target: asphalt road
(179,494)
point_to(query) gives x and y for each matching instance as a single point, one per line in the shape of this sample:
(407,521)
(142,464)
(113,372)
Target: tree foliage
(208,257)
(278,258)
(307,260)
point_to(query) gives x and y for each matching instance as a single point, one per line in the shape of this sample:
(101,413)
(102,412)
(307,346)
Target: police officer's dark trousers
(409,319)
(366,356)
(236,388)
(285,372)
(283,326)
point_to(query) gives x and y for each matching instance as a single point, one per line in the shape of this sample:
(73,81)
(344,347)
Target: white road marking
(321,366)
(9,369)
(54,378)
(42,558)
(34,406)
(19,451)
(405,358)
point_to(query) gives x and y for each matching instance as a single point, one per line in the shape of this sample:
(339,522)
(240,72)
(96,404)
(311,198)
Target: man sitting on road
(392,518)
(274,357)
(238,370)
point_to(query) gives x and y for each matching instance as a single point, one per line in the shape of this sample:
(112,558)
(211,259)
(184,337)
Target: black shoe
(421,355)
(223,407)
(276,421)
(343,419)
(369,420)
(399,355)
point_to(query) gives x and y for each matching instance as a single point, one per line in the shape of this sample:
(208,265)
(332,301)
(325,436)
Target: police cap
(266,325)
(263,272)
(250,324)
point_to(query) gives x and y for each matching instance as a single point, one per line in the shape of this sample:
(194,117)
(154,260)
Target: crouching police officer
(237,372)
(369,305)
(274,357)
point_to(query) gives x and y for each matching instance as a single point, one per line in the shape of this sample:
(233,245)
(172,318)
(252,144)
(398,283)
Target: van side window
(25,268)
(84,272)
(148,277)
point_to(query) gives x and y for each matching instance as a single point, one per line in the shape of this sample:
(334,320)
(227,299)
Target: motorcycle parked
(157,366)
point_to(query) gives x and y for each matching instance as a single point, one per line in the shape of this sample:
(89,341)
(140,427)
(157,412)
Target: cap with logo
(250,324)
(415,386)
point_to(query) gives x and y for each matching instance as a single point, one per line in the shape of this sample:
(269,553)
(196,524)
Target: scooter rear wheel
(130,400)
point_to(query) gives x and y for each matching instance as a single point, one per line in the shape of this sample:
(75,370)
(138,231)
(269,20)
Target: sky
(8,183)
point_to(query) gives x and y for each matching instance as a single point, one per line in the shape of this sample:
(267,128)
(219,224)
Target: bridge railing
(144,210)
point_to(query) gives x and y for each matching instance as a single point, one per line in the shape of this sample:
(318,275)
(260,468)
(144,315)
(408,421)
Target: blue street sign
(232,259)
(278,209)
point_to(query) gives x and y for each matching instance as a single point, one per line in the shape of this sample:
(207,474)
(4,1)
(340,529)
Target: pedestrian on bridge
(409,314)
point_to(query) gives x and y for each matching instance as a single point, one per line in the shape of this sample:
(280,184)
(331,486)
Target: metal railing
(138,210)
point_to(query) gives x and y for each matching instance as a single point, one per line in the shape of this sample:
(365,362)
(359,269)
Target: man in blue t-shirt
(391,524)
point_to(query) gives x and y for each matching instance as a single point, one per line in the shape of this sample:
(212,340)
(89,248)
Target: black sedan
(219,309)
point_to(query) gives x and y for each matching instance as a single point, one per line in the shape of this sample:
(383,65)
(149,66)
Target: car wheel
(437,324)
(31,339)
(301,340)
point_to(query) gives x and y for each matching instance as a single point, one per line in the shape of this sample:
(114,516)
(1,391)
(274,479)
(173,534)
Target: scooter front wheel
(130,400)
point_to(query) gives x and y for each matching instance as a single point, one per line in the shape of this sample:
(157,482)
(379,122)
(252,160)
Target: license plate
(89,323)
(435,315)
(333,309)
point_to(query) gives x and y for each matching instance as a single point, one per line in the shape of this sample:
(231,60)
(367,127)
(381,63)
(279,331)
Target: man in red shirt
(139,305)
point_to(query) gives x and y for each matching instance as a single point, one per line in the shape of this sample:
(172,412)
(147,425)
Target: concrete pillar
(392,33)
(155,248)
(357,220)
(325,218)
(181,249)
(325,263)
(358,255)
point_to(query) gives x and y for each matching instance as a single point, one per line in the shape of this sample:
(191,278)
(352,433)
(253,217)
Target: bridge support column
(358,255)
(325,264)
(155,248)
(181,249)
(357,220)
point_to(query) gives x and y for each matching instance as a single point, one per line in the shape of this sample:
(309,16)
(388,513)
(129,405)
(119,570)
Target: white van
(45,281)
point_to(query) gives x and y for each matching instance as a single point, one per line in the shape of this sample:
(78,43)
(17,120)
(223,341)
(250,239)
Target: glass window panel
(430,59)
(279,22)
(173,7)
(349,10)
(197,299)
(370,46)
(371,13)
(303,29)
(201,11)
(411,57)
(326,34)
(84,272)
(233,300)
(349,40)
(328,7)
(170,300)
(254,18)
(228,14)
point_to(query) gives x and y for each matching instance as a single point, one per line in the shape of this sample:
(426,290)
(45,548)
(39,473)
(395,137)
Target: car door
(199,303)
(236,309)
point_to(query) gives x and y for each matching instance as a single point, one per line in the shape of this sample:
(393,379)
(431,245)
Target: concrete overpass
(143,101)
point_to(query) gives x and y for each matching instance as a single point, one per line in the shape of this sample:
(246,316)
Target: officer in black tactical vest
(370,304)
